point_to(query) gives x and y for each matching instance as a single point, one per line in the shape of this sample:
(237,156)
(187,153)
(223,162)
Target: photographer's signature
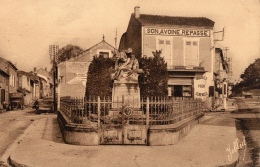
(236,146)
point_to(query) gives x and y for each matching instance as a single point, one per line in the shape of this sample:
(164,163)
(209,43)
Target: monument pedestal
(125,93)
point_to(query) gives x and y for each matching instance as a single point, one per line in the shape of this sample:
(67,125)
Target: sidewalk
(205,145)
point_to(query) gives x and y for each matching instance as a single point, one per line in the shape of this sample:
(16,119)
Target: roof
(31,75)
(22,72)
(4,73)
(89,49)
(103,41)
(147,19)
(9,62)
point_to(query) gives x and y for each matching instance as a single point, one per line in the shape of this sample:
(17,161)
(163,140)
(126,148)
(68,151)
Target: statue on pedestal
(126,88)
(126,67)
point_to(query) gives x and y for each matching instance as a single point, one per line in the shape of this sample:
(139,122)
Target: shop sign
(200,77)
(201,94)
(200,86)
(177,32)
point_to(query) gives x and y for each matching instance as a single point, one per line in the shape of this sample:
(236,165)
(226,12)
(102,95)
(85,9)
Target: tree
(251,74)
(99,81)
(69,51)
(154,80)
(251,77)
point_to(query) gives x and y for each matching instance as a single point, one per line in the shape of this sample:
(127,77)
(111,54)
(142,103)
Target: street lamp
(53,52)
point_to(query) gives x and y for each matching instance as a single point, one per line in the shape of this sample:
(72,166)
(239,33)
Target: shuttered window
(191,52)
(165,44)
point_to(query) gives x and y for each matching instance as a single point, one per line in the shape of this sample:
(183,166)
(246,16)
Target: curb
(14,145)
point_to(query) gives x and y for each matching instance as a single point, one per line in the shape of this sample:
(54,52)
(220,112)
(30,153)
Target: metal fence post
(147,118)
(147,111)
(98,112)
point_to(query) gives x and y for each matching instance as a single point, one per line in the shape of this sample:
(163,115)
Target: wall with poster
(200,87)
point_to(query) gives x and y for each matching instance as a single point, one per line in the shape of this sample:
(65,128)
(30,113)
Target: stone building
(222,70)
(28,84)
(46,82)
(72,74)
(8,80)
(187,45)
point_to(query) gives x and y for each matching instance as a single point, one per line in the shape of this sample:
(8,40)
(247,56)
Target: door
(2,95)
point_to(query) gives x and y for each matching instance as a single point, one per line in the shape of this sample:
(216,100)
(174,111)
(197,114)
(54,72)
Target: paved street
(247,122)
(13,124)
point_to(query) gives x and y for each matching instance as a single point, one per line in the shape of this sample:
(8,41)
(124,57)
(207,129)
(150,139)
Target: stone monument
(126,91)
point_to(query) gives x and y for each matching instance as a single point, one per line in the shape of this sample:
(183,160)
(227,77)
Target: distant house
(222,70)
(187,45)
(28,85)
(46,82)
(72,74)
(8,80)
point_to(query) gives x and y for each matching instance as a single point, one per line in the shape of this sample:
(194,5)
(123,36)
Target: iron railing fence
(155,110)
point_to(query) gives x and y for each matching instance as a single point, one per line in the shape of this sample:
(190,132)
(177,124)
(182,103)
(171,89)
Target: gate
(121,124)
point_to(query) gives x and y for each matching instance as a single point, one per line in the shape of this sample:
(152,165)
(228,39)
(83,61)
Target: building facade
(187,45)
(29,85)
(222,71)
(8,80)
(46,82)
(72,74)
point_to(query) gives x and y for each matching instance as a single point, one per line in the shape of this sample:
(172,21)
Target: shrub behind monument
(99,77)
(154,80)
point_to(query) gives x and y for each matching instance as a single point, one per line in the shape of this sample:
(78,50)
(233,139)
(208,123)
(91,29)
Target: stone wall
(157,135)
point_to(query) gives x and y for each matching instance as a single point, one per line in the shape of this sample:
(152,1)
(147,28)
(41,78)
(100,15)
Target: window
(10,79)
(191,51)
(186,91)
(161,42)
(165,44)
(180,90)
(14,82)
(104,54)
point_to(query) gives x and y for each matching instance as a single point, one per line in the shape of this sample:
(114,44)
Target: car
(16,101)
(44,105)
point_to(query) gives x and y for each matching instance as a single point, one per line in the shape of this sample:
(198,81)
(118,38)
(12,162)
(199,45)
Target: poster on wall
(200,88)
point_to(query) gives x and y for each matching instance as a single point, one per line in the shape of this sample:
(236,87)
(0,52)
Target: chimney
(45,68)
(34,69)
(137,12)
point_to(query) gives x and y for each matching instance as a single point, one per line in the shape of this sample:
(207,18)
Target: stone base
(127,94)
(117,112)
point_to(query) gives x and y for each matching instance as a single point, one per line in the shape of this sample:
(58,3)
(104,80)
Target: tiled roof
(7,61)
(146,19)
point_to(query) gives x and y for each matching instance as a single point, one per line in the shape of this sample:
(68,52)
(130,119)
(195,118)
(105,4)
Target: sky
(28,27)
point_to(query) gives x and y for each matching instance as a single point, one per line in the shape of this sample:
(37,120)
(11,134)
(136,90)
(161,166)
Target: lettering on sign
(201,86)
(200,77)
(177,32)
(201,94)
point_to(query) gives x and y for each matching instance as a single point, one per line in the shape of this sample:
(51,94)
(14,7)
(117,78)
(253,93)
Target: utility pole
(226,49)
(53,52)
(116,39)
